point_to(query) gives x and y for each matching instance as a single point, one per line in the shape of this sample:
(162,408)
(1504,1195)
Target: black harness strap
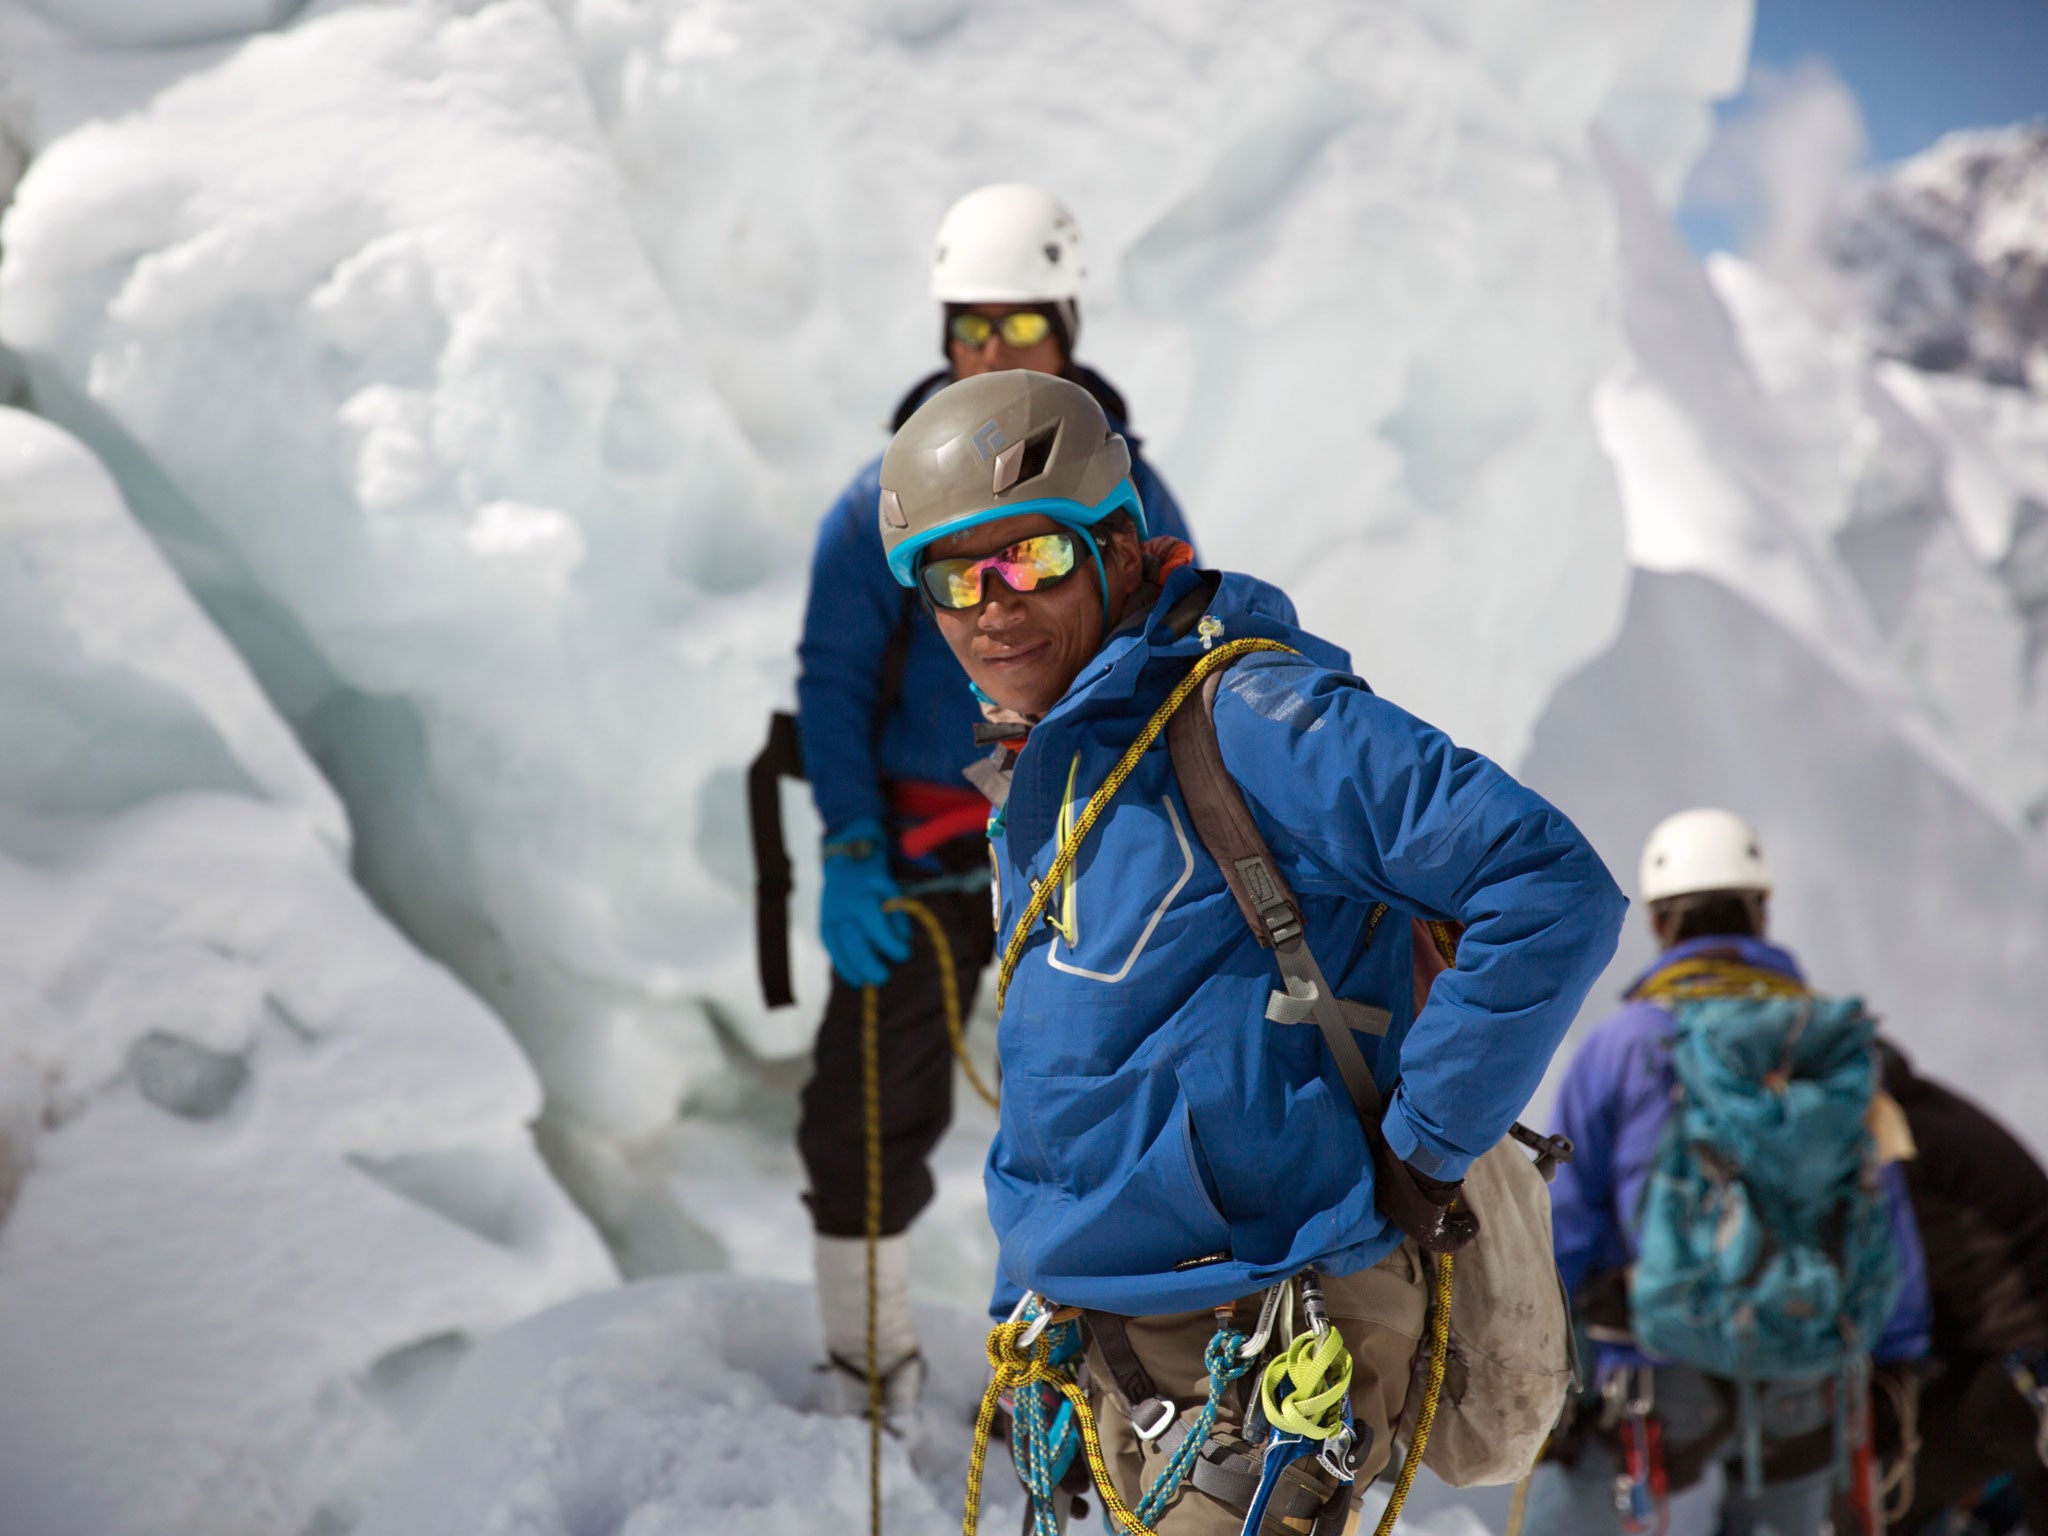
(1135,1388)
(780,758)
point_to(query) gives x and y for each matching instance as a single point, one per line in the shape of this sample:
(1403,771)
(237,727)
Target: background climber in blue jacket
(1707,886)
(886,723)
(1164,1150)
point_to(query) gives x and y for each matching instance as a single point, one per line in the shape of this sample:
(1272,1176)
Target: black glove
(1419,1205)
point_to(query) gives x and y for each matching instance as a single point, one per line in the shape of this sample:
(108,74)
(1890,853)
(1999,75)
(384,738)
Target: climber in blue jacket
(886,724)
(1163,1148)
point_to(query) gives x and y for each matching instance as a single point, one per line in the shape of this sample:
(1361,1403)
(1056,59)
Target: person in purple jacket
(1707,887)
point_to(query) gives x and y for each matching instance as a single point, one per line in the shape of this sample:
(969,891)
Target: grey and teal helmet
(1001,445)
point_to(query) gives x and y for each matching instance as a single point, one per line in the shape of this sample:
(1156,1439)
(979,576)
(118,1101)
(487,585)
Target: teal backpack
(1764,1242)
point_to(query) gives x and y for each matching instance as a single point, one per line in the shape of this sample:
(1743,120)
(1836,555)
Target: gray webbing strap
(1224,823)
(1306,988)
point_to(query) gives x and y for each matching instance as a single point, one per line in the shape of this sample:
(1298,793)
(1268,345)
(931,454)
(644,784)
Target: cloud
(1777,166)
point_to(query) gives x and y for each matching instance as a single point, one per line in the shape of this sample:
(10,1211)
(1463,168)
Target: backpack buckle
(1283,923)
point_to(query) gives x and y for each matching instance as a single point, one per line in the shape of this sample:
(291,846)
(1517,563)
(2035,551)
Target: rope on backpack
(1063,862)
(1425,1416)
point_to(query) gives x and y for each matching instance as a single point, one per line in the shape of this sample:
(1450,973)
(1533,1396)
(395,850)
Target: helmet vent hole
(1037,454)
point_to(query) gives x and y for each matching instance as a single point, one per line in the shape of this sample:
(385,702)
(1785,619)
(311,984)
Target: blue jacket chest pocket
(1118,906)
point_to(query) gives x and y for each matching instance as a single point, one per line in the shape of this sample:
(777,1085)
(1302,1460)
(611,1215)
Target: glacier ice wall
(485,368)
(264,1171)
(1830,628)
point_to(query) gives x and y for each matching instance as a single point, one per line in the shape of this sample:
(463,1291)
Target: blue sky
(1916,69)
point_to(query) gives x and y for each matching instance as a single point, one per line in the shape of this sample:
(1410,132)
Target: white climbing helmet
(1010,243)
(1704,849)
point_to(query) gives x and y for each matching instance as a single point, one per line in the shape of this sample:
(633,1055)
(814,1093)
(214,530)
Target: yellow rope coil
(1425,1416)
(1010,1367)
(1063,861)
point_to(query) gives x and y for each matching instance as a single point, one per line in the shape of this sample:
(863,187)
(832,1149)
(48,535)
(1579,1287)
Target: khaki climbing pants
(1381,1313)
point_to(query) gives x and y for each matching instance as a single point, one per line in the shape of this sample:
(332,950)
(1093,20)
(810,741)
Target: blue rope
(1225,1360)
(1044,1442)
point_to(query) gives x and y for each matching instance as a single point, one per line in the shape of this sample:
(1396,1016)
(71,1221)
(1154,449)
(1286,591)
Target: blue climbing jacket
(1615,1102)
(1162,1147)
(853,607)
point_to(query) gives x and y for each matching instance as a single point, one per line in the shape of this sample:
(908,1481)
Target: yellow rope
(1715,976)
(871,1117)
(1063,862)
(1518,1506)
(1439,1358)
(949,988)
(871,1121)
(1010,1367)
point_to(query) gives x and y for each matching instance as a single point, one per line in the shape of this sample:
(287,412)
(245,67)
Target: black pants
(916,1075)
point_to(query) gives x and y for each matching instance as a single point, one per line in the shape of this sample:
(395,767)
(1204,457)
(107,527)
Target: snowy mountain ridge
(1945,256)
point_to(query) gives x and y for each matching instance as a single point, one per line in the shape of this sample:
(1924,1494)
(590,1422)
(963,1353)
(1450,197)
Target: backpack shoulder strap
(1224,824)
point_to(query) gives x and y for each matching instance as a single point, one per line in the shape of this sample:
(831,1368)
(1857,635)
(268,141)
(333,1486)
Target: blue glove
(861,938)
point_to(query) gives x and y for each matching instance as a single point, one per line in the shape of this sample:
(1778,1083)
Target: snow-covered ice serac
(264,1171)
(487,367)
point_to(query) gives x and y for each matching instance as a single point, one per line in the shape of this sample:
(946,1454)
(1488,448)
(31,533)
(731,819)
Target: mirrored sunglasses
(1029,565)
(1020,328)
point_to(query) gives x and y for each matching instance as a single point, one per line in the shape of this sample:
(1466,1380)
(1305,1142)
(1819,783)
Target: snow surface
(264,1171)
(678,1407)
